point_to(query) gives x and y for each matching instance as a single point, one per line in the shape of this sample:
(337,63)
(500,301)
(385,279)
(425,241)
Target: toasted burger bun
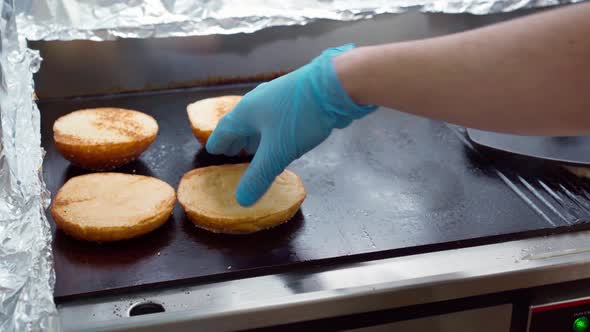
(204,114)
(112,206)
(103,138)
(207,196)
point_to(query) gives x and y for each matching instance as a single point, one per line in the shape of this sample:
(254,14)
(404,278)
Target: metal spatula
(572,150)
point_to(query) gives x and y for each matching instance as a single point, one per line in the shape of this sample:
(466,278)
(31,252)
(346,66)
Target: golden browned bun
(207,196)
(206,113)
(103,138)
(112,206)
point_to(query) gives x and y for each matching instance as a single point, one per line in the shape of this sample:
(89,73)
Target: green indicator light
(581,324)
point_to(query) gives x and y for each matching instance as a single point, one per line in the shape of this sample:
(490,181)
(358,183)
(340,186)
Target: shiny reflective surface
(26,272)
(327,292)
(575,150)
(109,19)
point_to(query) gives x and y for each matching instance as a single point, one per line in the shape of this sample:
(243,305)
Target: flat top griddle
(391,184)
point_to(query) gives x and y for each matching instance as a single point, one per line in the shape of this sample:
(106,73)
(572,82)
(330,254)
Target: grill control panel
(563,316)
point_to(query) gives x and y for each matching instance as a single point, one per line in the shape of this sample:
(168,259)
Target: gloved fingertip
(211,146)
(245,197)
(219,141)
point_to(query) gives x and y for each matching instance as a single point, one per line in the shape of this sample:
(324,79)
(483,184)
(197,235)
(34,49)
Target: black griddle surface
(390,184)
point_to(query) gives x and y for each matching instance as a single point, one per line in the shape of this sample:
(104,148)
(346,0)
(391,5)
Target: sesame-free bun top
(112,206)
(204,114)
(104,138)
(207,196)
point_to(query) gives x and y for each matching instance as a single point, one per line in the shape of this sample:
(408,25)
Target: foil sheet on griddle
(109,19)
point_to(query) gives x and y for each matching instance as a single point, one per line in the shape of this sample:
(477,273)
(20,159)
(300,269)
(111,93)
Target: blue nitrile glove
(283,119)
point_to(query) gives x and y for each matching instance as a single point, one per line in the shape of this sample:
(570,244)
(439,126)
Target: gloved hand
(283,119)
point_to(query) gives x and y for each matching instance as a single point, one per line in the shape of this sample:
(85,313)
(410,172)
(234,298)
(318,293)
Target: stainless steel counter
(343,290)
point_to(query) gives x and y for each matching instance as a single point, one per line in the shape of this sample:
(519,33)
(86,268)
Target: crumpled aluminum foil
(26,270)
(109,19)
(26,273)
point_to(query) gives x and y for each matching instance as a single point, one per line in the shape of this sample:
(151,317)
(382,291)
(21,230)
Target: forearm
(527,76)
